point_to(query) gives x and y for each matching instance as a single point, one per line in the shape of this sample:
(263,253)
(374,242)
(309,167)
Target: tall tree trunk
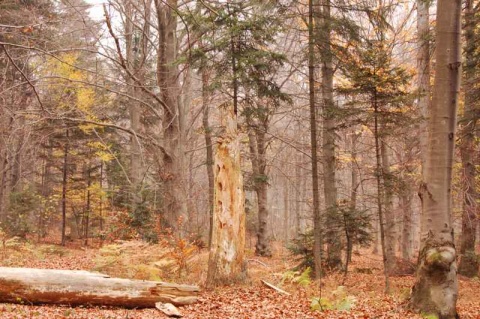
(175,203)
(408,157)
(88,204)
(136,40)
(329,163)
(257,144)
(390,229)
(468,148)
(206,100)
(380,193)
(64,188)
(353,190)
(3,182)
(317,219)
(407,225)
(423,75)
(286,209)
(226,263)
(436,287)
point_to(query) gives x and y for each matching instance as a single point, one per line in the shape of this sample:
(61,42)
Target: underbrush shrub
(350,226)
(339,300)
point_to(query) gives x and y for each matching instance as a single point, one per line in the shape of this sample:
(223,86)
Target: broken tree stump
(78,287)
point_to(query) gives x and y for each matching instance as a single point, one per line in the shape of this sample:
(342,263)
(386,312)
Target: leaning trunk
(436,289)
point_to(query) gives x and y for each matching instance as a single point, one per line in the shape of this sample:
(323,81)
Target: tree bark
(78,287)
(135,55)
(436,288)
(206,100)
(380,178)
(469,263)
(407,225)
(226,263)
(423,69)
(258,148)
(353,190)
(64,187)
(175,202)
(317,222)
(334,259)
(390,230)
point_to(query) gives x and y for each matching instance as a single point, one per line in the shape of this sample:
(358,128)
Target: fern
(304,278)
(296,277)
(342,301)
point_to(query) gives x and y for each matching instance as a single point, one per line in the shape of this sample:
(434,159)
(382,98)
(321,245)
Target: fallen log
(78,287)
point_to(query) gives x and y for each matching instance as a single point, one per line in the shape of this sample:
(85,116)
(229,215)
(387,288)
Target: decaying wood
(168,309)
(78,287)
(269,285)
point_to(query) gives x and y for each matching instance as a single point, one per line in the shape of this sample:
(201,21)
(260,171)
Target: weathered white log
(269,285)
(78,287)
(168,309)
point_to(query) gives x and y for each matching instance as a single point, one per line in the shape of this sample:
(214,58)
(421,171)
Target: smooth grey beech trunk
(423,72)
(468,147)
(436,288)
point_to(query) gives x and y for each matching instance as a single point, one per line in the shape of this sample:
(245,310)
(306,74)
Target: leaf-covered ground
(361,291)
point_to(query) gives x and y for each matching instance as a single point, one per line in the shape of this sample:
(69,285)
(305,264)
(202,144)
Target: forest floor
(361,291)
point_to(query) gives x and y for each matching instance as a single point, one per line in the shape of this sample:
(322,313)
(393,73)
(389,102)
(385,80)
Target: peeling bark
(78,287)
(226,263)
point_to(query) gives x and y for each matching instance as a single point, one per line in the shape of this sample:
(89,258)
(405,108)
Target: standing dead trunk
(436,288)
(226,263)
(469,261)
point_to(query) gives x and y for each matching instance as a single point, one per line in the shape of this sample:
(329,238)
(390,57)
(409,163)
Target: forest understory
(361,292)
